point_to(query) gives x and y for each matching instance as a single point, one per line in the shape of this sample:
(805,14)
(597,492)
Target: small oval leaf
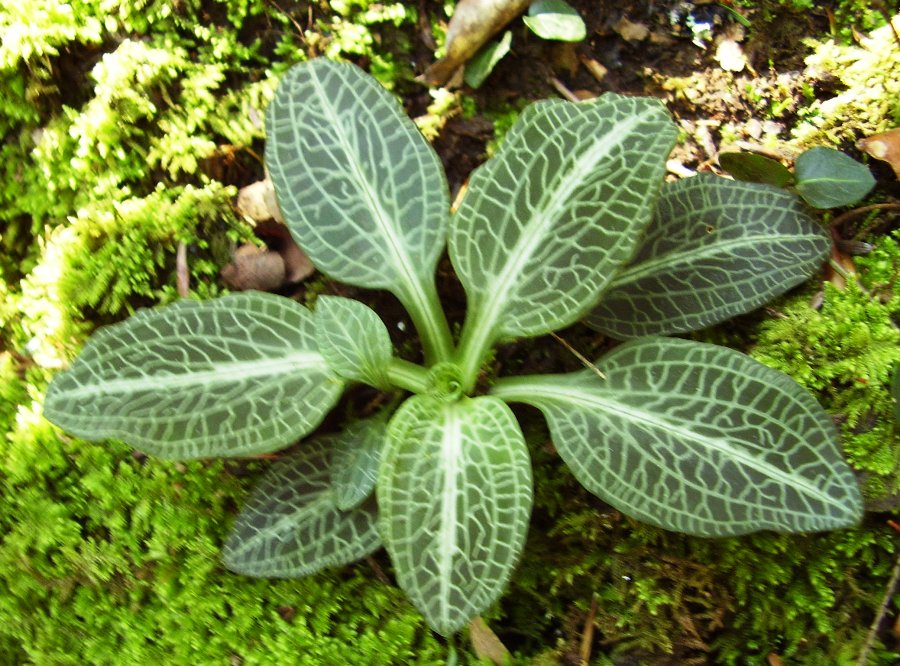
(556,20)
(716,248)
(827,178)
(483,63)
(754,168)
(454,491)
(355,456)
(697,438)
(238,375)
(353,339)
(290,526)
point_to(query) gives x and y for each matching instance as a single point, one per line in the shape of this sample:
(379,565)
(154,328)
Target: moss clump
(844,353)
(106,557)
(661,597)
(871,101)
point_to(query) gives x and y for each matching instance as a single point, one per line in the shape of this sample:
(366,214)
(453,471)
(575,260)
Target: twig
(562,90)
(579,356)
(587,637)
(182,276)
(887,17)
(290,18)
(857,212)
(379,572)
(885,602)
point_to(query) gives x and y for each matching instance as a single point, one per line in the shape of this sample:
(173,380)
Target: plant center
(445,382)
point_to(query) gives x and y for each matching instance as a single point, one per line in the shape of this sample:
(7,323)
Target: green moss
(871,101)
(104,554)
(372,30)
(844,353)
(663,597)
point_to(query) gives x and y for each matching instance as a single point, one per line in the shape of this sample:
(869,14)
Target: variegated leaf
(353,340)
(238,375)
(291,525)
(545,224)
(696,438)
(454,491)
(716,248)
(361,190)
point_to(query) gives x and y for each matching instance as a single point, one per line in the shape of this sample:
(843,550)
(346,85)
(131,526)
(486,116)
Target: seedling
(570,219)
(823,177)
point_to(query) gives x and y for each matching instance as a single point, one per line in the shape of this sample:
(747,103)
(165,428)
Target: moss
(105,554)
(870,102)
(844,353)
(662,597)
(372,30)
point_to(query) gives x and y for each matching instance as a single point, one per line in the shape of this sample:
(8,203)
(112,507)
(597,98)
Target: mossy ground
(126,132)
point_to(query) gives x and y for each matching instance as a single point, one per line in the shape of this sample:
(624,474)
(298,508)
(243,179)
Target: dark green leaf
(355,456)
(696,438)
(755,168)
(480,66)
(827,178)
(233,376)
(454,491)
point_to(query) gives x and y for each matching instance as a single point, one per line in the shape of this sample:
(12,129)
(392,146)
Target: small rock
(254,268)
(631,31)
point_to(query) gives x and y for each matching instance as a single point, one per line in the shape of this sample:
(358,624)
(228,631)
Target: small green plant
(553,20)
(569,220)
(823,177)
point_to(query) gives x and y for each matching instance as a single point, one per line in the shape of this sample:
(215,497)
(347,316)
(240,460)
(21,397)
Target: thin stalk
(474,344)
(428,317)
(406,375)
(514,389)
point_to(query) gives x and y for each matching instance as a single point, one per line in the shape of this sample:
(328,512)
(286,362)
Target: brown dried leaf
(257,201)
(277,236)
(486,644)
(885,147)
(474,22)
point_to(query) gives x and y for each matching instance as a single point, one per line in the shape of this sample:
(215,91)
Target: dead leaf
(254,267)
(587,636)
(597,69)
(486,644)
(885,147)
(474,22)
(841,264)
(631,31)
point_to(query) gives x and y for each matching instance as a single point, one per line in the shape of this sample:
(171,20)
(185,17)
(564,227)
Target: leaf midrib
(450,455)
(533,393)
(533,234)
(224,373)
(642,269)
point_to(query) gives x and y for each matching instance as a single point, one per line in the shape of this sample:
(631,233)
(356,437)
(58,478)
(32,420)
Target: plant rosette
(569,221)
